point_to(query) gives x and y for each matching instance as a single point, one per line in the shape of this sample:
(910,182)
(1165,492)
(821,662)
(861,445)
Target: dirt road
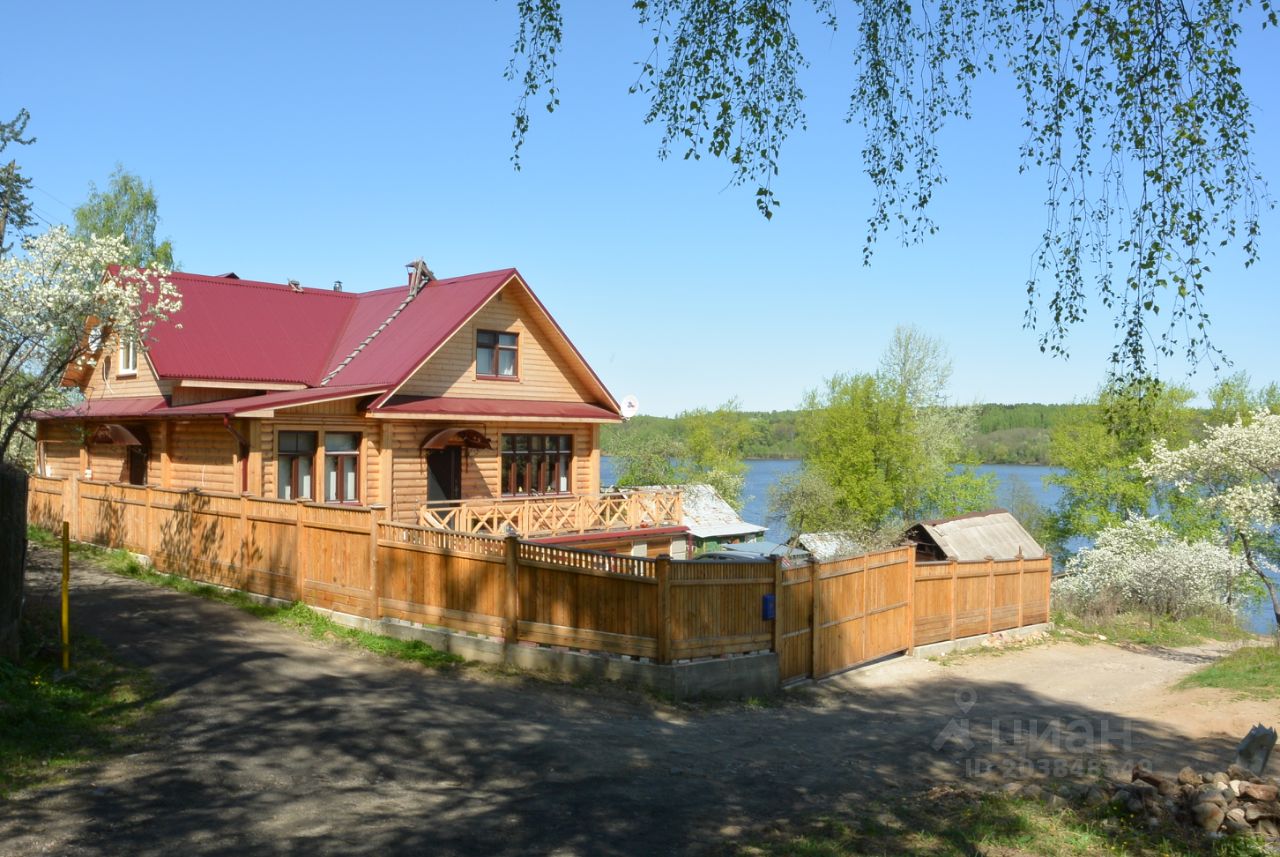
(268,743)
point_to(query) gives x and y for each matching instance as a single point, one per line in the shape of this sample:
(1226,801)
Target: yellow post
(66,596)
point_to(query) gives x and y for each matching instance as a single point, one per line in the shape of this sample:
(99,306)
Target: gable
(545,371)
(104,379)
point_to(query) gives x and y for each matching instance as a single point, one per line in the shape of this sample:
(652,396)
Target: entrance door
(136,455)
(444,474)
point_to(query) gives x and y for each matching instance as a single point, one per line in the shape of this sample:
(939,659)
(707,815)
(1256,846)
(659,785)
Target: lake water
(764,473)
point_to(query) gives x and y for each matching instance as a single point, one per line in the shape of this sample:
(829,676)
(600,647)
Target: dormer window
(496,354)
(128,357)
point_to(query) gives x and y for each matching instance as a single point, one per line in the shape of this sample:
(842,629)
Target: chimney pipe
(419,276)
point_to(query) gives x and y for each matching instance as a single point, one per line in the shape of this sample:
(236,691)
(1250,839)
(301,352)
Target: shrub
(1142,565)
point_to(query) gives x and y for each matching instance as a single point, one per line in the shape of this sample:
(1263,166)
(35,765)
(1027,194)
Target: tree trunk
(13,555)
(1267,583)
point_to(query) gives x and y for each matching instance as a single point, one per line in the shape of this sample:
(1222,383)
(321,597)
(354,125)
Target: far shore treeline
(1006,434)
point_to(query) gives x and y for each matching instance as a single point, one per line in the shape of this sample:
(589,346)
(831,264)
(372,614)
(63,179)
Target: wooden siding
(203,456)
(545,374)
(105,382)
(200,395)
(60,448)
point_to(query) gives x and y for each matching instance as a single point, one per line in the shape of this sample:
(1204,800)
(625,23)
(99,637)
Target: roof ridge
(263,285)
(372,336)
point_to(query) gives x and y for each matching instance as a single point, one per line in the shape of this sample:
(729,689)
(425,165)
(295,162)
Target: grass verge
(952,823)
(1252,671)
(50,720)
(296,615)
(1147,629)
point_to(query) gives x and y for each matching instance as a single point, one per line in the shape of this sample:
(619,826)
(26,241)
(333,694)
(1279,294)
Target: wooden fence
(829,617)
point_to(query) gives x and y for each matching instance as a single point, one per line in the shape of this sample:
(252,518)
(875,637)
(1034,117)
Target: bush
(1141,565)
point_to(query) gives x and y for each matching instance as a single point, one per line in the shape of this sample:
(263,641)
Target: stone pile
(1236,801)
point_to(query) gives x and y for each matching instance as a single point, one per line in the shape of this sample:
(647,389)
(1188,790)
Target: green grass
(296,615)
(1250,671)
(50,720)
(1151,630)
(950,823)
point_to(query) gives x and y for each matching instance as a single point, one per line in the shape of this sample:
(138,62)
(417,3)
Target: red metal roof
(421,327)
(270,401)
(241,330)
(135,406)
(498,408)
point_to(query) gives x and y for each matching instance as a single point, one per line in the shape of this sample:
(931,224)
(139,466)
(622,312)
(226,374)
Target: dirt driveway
(272,744)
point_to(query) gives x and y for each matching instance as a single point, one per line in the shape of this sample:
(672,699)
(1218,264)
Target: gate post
(511,606)
(911,599)
(815,619)
(778,611)
(662,571)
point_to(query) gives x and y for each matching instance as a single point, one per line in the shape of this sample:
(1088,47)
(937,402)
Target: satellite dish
(630,407)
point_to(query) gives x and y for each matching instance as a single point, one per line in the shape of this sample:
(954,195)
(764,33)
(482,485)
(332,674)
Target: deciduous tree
(127,208)
(1135,115)
(52,297)
(1234,474)
(15,207)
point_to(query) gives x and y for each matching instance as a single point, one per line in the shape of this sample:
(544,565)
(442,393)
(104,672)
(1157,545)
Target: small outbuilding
(973,537)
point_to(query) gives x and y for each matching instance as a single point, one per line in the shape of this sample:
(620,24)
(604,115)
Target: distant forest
(1007,434)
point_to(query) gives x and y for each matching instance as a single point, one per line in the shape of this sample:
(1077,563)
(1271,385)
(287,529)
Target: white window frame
(128,358)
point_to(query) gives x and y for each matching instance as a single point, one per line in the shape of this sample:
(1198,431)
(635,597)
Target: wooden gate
(844,613)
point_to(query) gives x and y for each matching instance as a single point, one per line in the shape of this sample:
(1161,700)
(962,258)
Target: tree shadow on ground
(272,744)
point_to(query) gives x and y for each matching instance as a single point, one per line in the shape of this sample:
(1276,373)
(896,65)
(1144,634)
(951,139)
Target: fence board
(828,617)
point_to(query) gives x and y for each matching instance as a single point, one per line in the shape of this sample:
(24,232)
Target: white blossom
(53,296)
(1143,565)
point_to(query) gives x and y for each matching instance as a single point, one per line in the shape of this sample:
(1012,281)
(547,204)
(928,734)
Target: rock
(1238,828)
(1033,791)
(1188,777)
(1054,801)
(1011,789)
(1255,811)
(1239,772)
(1135,805)
(1094,797)
(1210,794)
(1234,785)
(1208,816)
(1168,788)
(1236,814)
(1264,792)
(1269,828)
(1220,779)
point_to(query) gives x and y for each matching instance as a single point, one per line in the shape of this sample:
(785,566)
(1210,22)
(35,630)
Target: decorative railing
(556,516)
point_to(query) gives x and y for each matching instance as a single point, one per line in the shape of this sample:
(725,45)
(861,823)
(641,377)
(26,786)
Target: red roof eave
(492,409)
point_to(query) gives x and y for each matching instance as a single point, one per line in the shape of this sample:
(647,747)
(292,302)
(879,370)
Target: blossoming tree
(1234,471)
(59,299)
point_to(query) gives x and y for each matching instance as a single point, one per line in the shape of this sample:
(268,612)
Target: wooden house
(458,403)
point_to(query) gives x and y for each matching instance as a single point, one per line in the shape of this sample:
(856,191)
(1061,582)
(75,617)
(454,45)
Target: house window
(536,463)
(496,354)
(128,357)
(296,453)
(341,467)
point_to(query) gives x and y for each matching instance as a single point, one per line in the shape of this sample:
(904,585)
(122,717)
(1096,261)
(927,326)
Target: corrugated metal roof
(831,545)
(241,330)
(706,514)
(996,534)
(422,326)
(445,406)
(134,406)
(271,401)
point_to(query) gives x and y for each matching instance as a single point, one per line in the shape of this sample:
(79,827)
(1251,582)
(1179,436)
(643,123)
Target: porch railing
(554,516)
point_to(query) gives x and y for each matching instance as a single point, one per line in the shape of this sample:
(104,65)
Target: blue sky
(311,141)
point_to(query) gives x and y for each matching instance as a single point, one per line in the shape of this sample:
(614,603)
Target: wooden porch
(556,516)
